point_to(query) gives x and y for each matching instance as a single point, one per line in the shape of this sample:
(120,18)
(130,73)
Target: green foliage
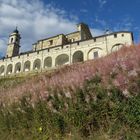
(91,114)
(11,82)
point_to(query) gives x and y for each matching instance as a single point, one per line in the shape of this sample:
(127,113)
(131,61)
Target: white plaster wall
(88,47)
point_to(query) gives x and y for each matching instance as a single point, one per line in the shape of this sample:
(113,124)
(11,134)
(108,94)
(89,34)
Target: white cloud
(101,22)
(2,46)
(35,20)
(96,32)
(126,23)
(84,10)
(102,3)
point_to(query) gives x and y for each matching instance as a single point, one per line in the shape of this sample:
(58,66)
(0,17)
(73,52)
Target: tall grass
(90,114)
(97,99)
(119,68)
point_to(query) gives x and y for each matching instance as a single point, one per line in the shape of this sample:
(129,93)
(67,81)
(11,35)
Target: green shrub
(103,116)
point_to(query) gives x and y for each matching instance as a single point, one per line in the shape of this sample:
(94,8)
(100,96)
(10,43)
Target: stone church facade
(53,52)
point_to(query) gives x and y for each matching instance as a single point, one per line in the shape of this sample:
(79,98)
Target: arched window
(12,40)
(94,53)
(37,64)
(48,62)
(9,69)
(27,66)
(78,57)
(62,59)
(18,67)
(116,47)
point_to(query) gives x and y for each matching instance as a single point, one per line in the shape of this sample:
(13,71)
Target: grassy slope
(97,99)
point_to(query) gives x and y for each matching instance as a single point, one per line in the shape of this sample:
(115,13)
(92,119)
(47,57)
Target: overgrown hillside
(98,99)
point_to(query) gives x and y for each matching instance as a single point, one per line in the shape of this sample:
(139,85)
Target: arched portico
(94,53)
(18,67)
(116,47)
(48,62)
(27,66)
(37,64)
(9,69)
(78,56)
(61,59)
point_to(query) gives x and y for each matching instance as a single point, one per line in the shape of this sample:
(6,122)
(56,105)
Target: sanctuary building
(60,50)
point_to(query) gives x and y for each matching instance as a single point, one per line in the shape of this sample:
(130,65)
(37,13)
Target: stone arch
(78,56)
(61,59)
(37,64)
(27,66)
(2,69)
(48,62)
(116,47)
(18,67)
(94,53)
(9,69)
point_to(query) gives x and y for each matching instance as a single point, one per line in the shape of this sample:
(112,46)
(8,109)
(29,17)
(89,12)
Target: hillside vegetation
(93,100)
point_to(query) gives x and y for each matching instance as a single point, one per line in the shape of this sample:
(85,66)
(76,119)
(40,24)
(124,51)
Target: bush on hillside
(92,111)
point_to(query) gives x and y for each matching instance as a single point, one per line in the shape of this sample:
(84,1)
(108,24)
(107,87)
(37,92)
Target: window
(95,54)
(51,42)
(12,40)
(115,35)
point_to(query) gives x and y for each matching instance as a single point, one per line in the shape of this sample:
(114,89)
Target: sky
(37,19)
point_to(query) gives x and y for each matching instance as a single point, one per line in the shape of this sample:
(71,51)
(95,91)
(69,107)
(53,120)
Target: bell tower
(13,44)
